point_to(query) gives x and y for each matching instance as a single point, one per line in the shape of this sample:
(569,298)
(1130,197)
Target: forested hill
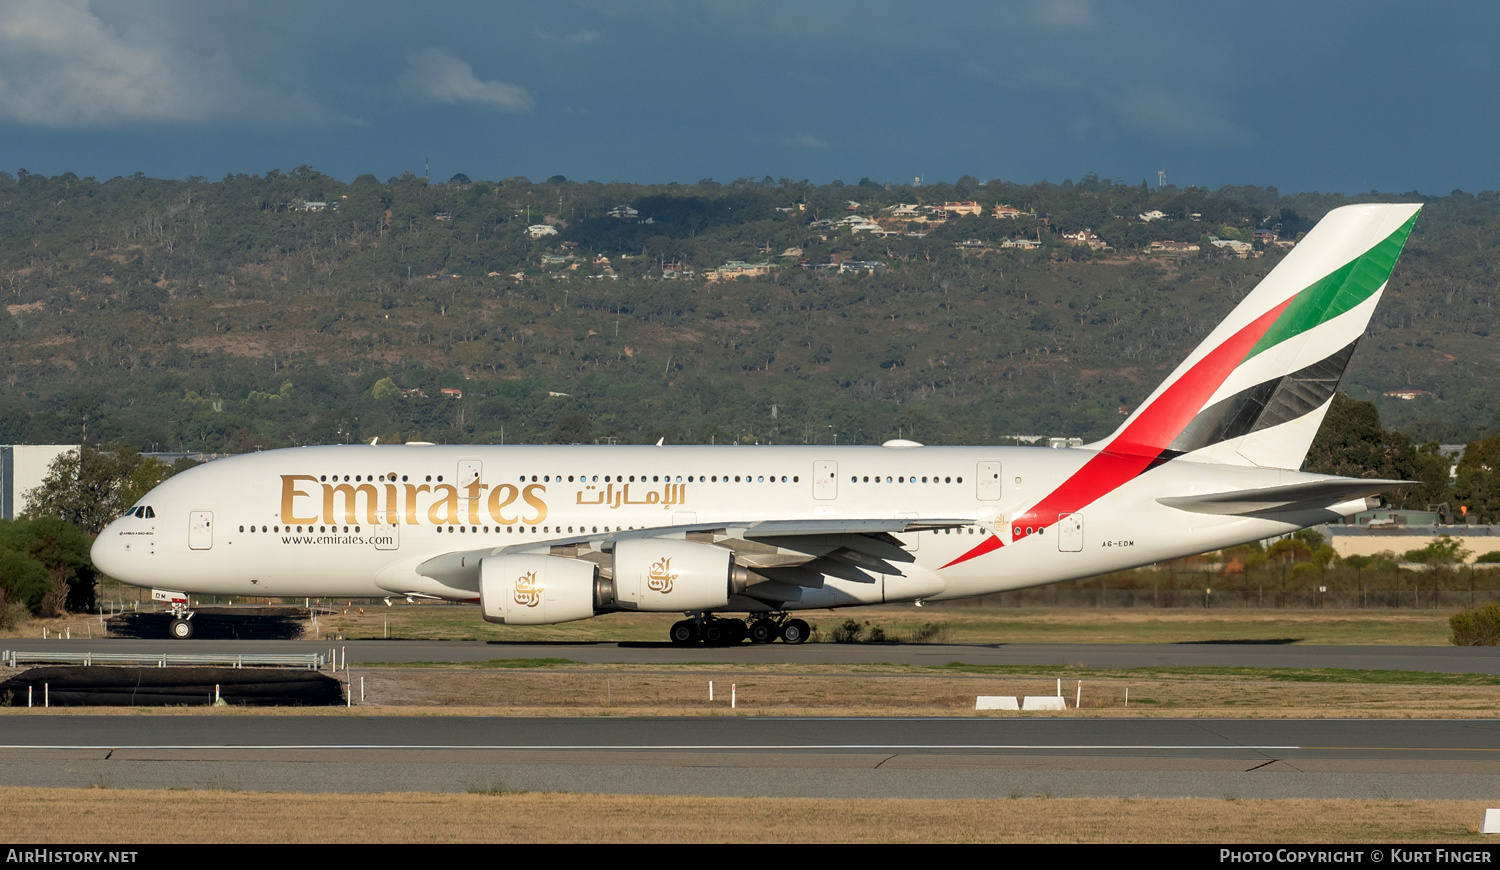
(263,311)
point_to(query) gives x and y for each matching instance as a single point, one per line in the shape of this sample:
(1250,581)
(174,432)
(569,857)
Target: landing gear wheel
(736,631)
(716,632)
(764,631)
(794,631)
(180,629)
(684,632)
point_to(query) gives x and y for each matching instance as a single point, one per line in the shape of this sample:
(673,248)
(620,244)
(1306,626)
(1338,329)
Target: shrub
(932,632)
(848,632)
(1479,626)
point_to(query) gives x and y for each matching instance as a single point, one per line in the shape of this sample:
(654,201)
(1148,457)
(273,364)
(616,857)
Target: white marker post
(1078,699)
(731,696)
(710,691)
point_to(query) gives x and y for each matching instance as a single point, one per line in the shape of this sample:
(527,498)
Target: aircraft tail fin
(1256,390)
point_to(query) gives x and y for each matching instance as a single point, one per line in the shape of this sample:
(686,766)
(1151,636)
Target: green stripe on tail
(1338,292)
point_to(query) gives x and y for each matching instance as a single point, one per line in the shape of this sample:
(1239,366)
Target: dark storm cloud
(1342,96)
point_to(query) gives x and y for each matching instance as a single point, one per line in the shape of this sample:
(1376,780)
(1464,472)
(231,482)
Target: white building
(23,467)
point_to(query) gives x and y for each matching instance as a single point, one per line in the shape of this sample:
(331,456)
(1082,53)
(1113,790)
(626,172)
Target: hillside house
(738,269)
(1172,248)
(1084,236)
(1234,246)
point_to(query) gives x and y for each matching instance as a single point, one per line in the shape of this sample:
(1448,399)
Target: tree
(44,565)
(1352,443)
(88,487)
(573,429)
(385,388)
(1440,552)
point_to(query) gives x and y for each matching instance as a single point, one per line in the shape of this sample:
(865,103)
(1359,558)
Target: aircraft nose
(108,552)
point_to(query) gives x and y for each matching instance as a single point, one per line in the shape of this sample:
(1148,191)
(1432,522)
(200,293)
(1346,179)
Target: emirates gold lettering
(660,577)
(289,494)
(307,501)
(351,496)
(471,495)
(411,501)
(528,591)
(444,510)
(530,495)
(502,497)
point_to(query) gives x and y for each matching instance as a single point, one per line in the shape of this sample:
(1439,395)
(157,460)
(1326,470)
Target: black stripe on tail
(1264,405)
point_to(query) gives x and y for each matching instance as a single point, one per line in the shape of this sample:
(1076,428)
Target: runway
(1436,659)
(748,756)
(734,756)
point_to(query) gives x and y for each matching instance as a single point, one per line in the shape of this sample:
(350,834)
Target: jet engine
(539,590)
(663,575)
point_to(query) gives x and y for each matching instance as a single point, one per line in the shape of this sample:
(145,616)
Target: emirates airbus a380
(548,534)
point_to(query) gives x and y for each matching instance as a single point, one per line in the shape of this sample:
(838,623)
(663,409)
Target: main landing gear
(727,631)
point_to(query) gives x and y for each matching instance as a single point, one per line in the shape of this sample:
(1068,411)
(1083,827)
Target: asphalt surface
(915,758)
(1439,659)
(827,757)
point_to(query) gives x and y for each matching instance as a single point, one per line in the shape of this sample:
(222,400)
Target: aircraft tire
(795,631)
(180,629)
(764,631)
(684,632)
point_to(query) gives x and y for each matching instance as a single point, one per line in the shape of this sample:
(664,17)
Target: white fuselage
(357,521)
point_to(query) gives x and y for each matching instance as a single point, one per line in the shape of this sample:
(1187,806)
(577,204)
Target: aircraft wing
(795,552)
(1312,495)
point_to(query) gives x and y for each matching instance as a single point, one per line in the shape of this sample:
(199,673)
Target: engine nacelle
(536,590)
(663,575)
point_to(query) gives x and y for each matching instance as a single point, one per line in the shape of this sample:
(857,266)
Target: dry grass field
(555,687)
(37,816)
(952,623)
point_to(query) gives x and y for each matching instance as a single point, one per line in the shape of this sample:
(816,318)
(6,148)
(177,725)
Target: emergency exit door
(1070,533)
(201,530)
(825,479)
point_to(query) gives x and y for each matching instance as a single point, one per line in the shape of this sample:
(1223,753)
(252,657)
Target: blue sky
(1337,96)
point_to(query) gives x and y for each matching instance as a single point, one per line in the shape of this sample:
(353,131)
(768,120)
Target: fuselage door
(201,530)
(469,470)
(825,479)
(988,477)
(1070,533)
(386,536)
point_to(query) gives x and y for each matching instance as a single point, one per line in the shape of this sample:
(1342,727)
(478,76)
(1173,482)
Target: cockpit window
(150,514)
(141,512)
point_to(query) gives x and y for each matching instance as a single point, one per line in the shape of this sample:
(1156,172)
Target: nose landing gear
(181,627)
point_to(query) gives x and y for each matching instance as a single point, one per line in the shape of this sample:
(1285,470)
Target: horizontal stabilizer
(1290,497)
